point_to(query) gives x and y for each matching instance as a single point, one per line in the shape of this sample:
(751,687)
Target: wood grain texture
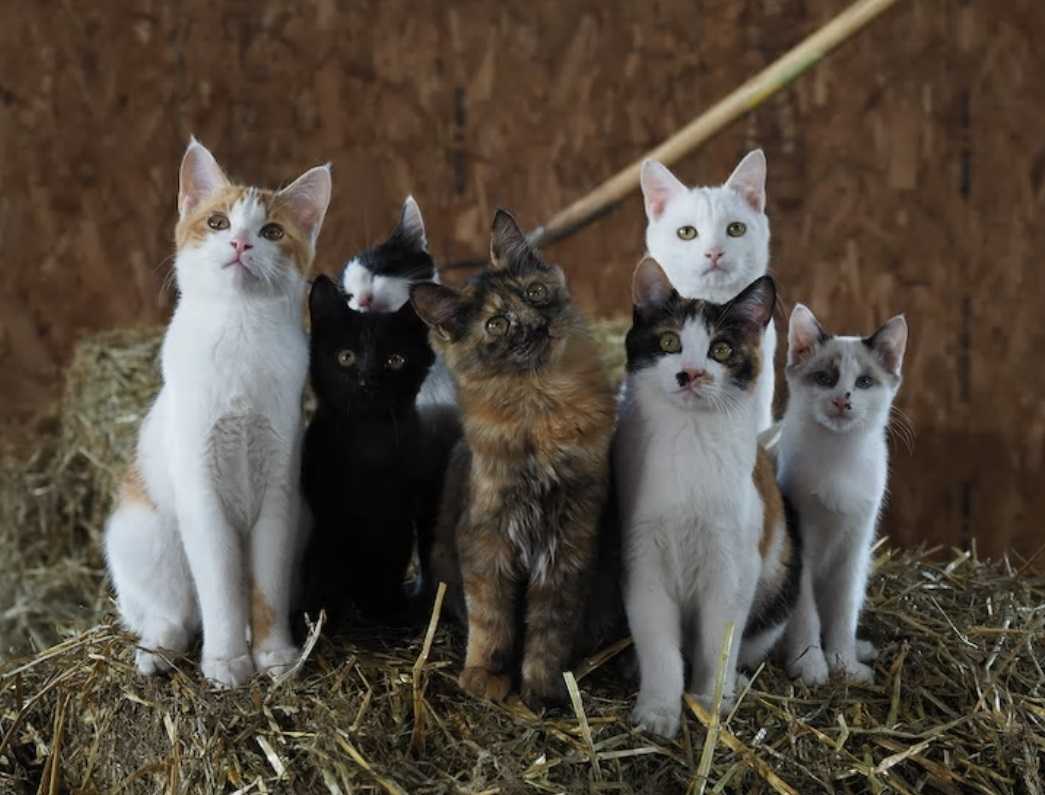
(906,173)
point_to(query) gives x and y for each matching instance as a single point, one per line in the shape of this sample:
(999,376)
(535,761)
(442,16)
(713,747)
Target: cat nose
(240,245)
(713,254)
(842,403)
(688,376)
(365,301)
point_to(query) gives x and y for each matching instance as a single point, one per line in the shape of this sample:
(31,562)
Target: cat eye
(537,293)
(721,351)
(395,362)
(864,382)
(824,378)
(497,326)
(346,358)
(736,229)
(670,342)
(218,221)
(272,231)
(687,232)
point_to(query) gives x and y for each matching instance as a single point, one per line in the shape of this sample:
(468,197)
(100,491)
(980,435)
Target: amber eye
(272,231)
(736,229)
(537,293)
(687,232)
(346,358)
(721,351)
(218,221)
(497,325)
(670,342)
(396,362)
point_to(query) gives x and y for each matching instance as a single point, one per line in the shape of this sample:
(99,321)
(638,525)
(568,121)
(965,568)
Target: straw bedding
(958,704)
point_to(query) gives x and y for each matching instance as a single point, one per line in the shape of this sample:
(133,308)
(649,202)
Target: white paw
(657,718)
(866,651)
(223,672)
(811,668)
(275,662)
(150,663)
(852,671)
(728,700)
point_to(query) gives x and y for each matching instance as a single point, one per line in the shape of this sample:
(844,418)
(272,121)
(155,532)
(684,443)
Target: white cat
(707,539)
(713,242)
(206,526)
(833,466)
(379,279)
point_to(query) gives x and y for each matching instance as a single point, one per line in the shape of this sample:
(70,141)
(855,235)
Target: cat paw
(852,671)
(657,718)
(550,694)
(708,702)
(810,668)
(276,662)
(486,684)
(866,651)
(151,663)
(227,672)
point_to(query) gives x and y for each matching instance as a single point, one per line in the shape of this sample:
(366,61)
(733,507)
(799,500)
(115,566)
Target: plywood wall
(907,173)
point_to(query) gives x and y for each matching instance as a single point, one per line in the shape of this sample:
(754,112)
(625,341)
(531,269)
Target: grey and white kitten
(833,467)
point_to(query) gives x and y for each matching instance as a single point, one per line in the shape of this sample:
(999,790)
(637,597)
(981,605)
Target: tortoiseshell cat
(519,529)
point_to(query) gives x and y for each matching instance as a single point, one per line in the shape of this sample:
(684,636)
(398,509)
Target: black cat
(372,469)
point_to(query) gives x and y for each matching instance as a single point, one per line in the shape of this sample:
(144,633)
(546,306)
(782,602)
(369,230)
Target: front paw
(657,717)
(276,662)
(810,668)
(866,651)
(851,670)
(707,701)
(150,663)
(483,683)
(227,672)
(551,693)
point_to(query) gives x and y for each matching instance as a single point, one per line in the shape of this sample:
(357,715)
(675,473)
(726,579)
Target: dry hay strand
(958,704)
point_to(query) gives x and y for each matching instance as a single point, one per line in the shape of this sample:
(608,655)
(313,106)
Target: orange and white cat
(206,531)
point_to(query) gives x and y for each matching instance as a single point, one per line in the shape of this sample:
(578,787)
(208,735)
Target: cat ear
(889,343)
(749,180)
(508,244)
(650,286)
(412,225)
(325,301)
(755,304)
(804,334)
(199,177)
(307,199)
(659,186)
(439,306)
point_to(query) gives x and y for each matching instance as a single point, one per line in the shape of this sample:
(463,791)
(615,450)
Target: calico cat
(205,529)
(708,540)
(519,530)
(712,242)
(379,278)
(372,472)
(833,462)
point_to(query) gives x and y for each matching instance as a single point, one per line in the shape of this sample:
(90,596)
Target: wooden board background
(907,173)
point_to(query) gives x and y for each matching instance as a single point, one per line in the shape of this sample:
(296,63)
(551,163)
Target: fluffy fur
(708,540)
(713,242)
(372,471)
(519,528)
(833,464)
(205,530)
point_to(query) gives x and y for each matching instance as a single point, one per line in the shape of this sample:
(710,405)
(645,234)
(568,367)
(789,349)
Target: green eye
(864,382)
(536,293)
(736,229)
(670,342)
(721,351)
(272,231)
(497,326)
(687,232)
(346,358)
(824,378)
(218,221)
(396,362)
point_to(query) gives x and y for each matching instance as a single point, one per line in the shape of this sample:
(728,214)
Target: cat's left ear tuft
(412,225)
(199,177)
(307,199)
(755,304)
(325,301)
(508,243)
(804,334)
(890,343)
(659,186)
(650,286)
(749,180)
(439,306)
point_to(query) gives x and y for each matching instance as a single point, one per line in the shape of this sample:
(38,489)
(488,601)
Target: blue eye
(864,382)
(824,378)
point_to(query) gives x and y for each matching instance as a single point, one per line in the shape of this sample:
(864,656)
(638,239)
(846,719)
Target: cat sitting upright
(708,540)
(833,463)
(712,242)
(206,524)
(372,471)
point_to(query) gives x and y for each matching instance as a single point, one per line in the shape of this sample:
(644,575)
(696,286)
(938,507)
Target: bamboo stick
(748,96)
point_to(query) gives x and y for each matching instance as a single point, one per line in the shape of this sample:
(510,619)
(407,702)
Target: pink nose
(365,301)
(713,254)
(688,376)
(841,403)
(240,245)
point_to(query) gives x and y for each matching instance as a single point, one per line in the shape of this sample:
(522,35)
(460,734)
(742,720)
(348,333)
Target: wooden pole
(748,96)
